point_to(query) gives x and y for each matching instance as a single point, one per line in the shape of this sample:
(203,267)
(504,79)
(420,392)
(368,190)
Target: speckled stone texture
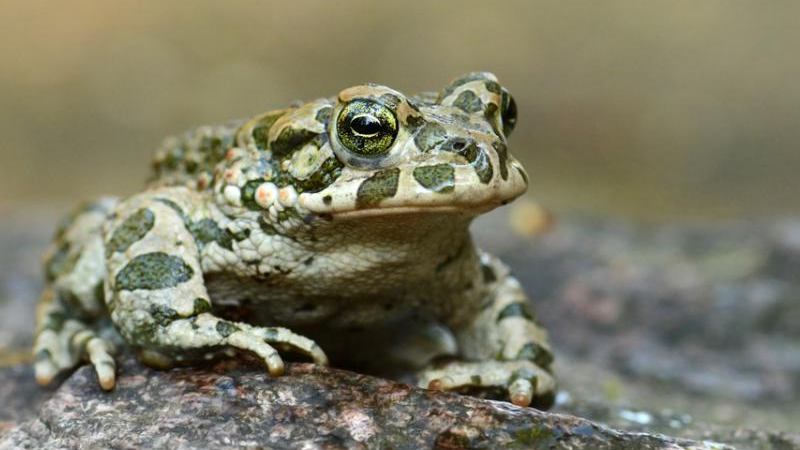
(241,407)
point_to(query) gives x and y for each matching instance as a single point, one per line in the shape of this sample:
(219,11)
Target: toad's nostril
(458,145)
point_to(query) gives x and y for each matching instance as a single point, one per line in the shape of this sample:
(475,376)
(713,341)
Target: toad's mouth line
(410,210)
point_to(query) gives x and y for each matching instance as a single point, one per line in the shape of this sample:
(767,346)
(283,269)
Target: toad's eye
(366,127)
(508,113)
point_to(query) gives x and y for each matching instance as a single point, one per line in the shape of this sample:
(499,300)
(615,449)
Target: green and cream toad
(337,229)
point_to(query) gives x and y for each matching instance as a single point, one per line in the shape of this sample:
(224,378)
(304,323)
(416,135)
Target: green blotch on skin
(477,158)
(414,122)
(212,147)
(480,162)
(291,139)
(225,329)
(502,157)
(99,293)
(493,87)
(163,315)
(70,300)
(201,306)
(429,136)
(390,100)
(249,193)
(324,115)
(475,380)
(261,130)
(381,185)
(270,335)
(151,271)
(524,374)
(488,274)
(55,321)
(468,102)
(323,177)
(289,213)
(205,231)
(490,113)
(267,227)
(437,178)
(515,310)
(226,237)
(131,230)
(172,158)
(536,353)
(191,166)
(61,262)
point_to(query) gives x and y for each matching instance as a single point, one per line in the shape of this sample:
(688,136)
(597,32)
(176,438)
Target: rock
(239,406)
(20,396)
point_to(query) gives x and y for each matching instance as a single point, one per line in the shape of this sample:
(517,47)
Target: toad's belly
(260,302)
(384,334)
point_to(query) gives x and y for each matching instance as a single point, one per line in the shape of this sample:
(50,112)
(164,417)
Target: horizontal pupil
(365,125)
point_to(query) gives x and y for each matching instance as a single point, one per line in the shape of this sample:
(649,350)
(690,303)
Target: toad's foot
(263,340)
(523,382)
(57,352)
(206,331)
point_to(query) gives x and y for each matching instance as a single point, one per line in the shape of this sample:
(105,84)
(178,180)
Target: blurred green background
(674,109)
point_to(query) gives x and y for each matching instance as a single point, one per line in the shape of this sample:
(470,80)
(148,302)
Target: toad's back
(190,159)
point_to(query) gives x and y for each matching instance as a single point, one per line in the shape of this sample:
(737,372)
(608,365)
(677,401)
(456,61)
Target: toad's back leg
(71,312)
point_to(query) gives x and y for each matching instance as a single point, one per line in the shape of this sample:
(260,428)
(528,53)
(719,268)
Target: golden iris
(367,127)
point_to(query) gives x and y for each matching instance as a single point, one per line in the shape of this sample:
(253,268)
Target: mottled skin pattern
(336,229)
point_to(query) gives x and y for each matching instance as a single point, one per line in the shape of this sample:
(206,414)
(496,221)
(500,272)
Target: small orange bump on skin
(230,175)
(230,154)
(287,196)
(436,385)
(265,194)
(521,400)
(202,183)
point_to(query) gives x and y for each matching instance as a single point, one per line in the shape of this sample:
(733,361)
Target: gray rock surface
(310,407)
(688,331)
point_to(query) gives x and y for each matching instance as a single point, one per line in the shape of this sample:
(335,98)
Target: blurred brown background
(680,109)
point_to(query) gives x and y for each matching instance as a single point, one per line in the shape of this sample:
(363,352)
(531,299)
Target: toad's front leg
(502,349)
(158,299)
